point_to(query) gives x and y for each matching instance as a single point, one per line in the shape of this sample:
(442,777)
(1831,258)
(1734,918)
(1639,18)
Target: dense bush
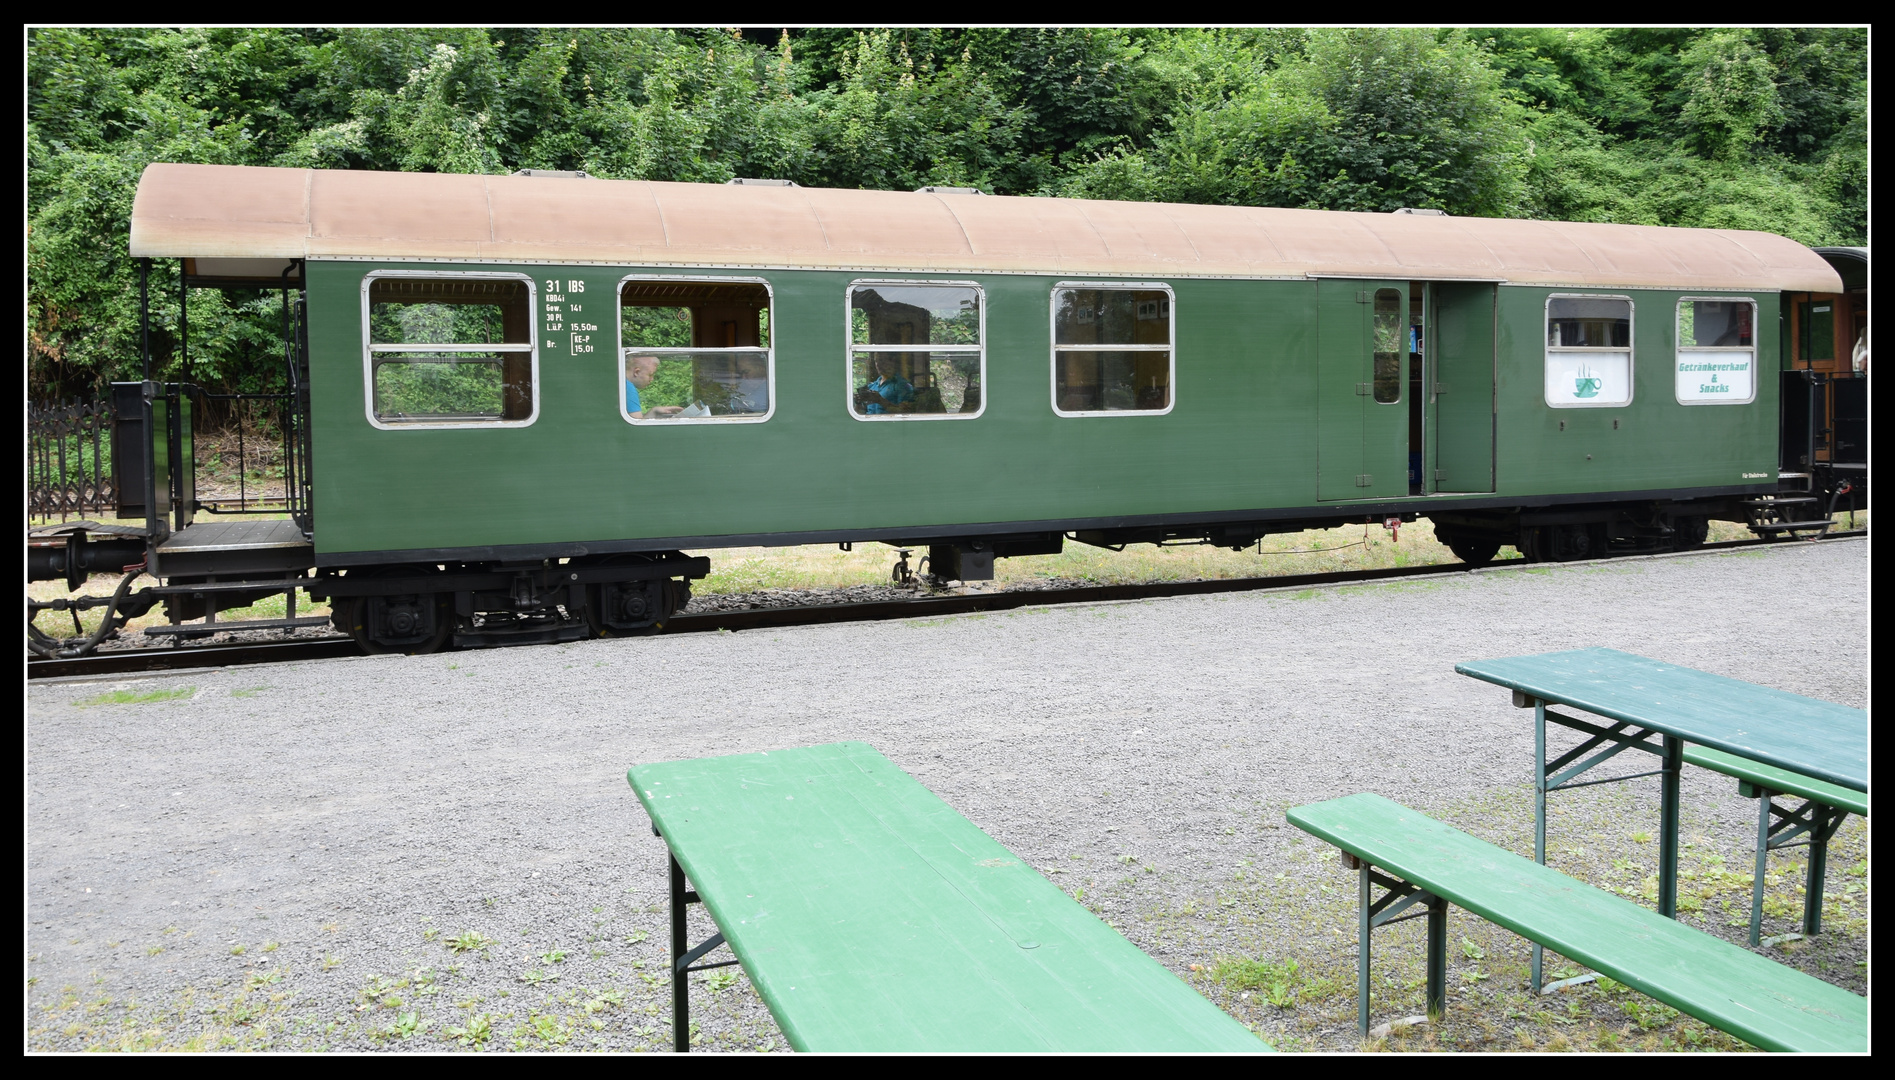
(1760,129)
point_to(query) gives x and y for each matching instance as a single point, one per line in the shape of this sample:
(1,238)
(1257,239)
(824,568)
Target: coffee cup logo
(1586,383)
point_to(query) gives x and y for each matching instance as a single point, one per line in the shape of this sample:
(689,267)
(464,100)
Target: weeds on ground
(134,697)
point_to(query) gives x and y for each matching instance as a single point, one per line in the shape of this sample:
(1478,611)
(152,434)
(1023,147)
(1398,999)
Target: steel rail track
(183,657)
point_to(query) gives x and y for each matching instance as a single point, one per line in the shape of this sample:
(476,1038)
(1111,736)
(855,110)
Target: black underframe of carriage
(1255,523)
(540,579)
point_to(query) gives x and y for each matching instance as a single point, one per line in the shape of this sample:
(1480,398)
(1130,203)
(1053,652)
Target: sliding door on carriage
(1362,387)
(1465,363)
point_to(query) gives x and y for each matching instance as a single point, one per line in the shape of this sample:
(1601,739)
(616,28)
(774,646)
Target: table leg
(1539,823)
(1763,863)
(680,980)
(1668,827)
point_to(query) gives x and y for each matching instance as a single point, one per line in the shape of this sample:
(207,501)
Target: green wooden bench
(870,916)
(1824,807)
(1427,863)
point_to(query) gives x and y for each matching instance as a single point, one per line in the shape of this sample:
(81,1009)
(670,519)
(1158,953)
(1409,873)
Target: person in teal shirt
(888,392)
(639,372)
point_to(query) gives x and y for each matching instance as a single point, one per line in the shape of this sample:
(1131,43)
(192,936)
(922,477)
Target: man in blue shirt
(639,372)
(889,391)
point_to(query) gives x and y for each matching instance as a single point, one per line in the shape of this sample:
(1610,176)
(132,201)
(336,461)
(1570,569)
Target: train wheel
(1688,533)
(634,608)
(1474,551)
(404,623)
(1574,542)
(1535,543)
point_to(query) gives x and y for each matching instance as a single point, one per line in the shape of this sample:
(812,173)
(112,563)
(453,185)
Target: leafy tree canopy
(1748,128)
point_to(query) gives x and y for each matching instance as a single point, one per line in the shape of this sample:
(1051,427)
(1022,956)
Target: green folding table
(1657,708)
(870,916)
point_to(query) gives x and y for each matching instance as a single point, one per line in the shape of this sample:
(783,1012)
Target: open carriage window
(916,351)
(1717,351)
(449,349)
(1588,351)
(692,349)
(1112,350)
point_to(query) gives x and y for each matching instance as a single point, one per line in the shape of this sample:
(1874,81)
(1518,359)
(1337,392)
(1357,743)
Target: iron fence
(255,460)
(69,461)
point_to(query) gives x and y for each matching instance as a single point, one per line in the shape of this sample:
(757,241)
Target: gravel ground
(423,853)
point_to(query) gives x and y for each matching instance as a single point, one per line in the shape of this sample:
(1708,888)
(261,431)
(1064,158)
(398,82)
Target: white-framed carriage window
(917,350)
(1588,351)
(1112,348)
(695,350)
(1717,350)
(449,349)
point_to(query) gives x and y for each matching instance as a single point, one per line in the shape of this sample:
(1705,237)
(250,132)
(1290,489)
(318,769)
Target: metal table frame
(684,959)
(1656,708)
(1563,772)
(1778,828)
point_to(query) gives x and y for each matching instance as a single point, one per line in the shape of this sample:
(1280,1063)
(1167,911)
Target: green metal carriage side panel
(1342,351)
(1240,435)
(1251,426)
(871,916)
(1658,443)
(1753,997)
(1463,353)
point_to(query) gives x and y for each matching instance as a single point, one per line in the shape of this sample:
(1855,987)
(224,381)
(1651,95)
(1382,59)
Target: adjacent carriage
(516,401)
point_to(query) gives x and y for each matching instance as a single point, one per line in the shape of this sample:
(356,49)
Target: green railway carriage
(527,394)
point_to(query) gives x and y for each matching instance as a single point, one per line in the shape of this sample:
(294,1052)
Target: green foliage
(655,327)
(469,941)
(1277,982)
(1368,120)
(1729,127)
(425,385)
(1733,94)
(133,697)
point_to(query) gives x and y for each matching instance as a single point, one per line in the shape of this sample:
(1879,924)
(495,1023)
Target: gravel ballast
(430,852)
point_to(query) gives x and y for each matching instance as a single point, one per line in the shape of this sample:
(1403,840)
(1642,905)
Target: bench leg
(1813,885)
(1371,913)
(1825,821)
(1778,828)
(1763,864)
(1437,957)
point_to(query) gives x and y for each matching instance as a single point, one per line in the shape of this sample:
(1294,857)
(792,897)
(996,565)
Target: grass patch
(133,697)
(1316,551)
(1353,547)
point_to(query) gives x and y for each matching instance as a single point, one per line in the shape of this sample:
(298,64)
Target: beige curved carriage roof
(218,212)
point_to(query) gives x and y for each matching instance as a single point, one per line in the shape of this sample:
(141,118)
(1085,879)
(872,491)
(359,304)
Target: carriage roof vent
(577,174)
(1415,210)
(751,181)
(937,189)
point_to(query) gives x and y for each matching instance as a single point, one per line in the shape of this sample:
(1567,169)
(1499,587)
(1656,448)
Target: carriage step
(1780,500)
(1791,526)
